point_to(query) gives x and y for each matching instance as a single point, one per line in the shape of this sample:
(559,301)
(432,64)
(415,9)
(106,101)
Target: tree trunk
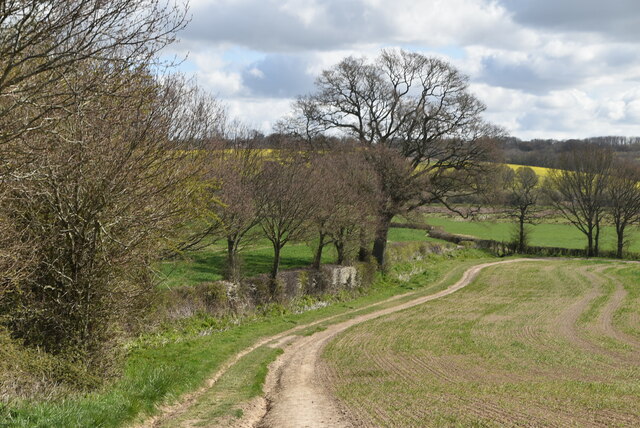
(590,243)
(363,251)
(620,232)
(521,236)
(232,273)
(276,262)
(380,241)
(363,254)
(596,244)
(317,258)
(340,250)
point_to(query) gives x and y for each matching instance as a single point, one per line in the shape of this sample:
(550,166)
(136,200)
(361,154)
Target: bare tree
(578,190)
(43,42)
(285,200)
(402,189)
(623,192)
(419,106)
(236,171)
(346,193)
(101,200)
(521,197)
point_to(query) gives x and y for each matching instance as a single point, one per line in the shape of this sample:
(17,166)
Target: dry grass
(554,343)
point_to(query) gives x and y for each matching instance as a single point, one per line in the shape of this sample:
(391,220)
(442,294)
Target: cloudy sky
(544,68)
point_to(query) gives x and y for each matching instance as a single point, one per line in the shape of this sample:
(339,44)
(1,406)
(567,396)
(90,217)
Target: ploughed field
(553,343)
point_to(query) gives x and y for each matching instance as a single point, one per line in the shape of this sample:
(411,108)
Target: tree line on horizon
(547,152)
(590,188)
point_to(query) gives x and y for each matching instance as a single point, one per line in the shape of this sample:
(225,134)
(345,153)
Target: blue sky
(544,68)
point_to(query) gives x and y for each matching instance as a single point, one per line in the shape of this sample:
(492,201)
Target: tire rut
(566,322)
(605,320)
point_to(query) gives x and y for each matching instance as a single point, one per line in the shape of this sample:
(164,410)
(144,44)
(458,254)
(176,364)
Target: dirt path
(294,392)
(262,411)
(254,410)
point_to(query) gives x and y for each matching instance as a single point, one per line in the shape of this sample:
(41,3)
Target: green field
(208,263)
(544,234)
(538,344)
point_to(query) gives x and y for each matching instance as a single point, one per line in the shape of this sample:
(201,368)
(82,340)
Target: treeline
(289,195)
(546,153)
(591,188)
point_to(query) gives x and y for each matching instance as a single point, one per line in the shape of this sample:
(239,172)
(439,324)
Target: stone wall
(330,278)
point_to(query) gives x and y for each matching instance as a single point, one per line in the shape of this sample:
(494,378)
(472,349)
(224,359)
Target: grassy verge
(240,384)
(161,368)
(525,344)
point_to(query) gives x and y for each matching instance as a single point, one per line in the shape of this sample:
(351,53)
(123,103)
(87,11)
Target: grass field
(545,234)
(208,263)
(555,343)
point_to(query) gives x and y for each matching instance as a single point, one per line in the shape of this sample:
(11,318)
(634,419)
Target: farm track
(300,389)
(266,412)
(297,396)
(169,413)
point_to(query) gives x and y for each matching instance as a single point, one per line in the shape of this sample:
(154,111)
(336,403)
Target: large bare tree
(416,105)
(578,190)
(623,194)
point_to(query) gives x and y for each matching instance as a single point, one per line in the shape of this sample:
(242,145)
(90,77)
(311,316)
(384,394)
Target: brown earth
(552,327)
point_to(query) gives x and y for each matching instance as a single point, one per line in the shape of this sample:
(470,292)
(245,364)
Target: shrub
(28,373)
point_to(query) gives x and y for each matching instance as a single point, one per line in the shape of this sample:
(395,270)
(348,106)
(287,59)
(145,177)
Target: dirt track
(294,391)
(294,396)
(298,389)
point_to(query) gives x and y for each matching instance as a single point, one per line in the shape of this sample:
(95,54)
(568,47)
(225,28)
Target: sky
(544,68)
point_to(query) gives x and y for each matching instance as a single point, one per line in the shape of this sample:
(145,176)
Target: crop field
(540,171)
(544,234)
(544,343)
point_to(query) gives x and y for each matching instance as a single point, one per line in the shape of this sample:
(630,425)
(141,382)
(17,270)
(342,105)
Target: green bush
(367,272)
(27,372)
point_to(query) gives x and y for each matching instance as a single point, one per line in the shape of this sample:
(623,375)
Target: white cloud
(561,68)
(259,113)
